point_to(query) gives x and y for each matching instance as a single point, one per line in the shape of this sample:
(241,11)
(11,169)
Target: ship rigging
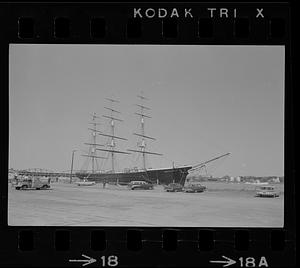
(110,149)
(142,144)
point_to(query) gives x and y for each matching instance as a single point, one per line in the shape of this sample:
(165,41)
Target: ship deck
(72,205)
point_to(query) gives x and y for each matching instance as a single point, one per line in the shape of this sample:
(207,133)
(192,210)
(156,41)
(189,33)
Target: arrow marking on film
(226,263)
(87,261)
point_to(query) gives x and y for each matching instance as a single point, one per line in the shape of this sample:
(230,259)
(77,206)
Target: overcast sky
(205,101)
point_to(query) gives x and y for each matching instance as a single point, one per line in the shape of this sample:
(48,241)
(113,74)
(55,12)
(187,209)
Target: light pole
(72,165)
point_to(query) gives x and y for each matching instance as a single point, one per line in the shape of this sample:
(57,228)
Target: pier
(39,172)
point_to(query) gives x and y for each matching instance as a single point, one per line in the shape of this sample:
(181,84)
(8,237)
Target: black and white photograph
(146,135)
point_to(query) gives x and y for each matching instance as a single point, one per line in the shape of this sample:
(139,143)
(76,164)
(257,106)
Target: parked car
(86,183)
(266,191)
(194,188)
(31,183)
(173,187)
(142,185)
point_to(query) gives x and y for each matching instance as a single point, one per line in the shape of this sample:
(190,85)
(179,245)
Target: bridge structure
(40,172)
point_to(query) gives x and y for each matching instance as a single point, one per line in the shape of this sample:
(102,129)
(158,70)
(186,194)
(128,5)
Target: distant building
(276,180)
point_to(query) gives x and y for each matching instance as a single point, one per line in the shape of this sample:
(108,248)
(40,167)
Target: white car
(31,183)
(86,183)
(266,191)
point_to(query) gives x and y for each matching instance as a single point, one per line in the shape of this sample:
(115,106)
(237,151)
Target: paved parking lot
(69,204)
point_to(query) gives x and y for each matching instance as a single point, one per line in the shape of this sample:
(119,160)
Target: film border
(277,244)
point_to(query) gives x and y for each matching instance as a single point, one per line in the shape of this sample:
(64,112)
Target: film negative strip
(147,135)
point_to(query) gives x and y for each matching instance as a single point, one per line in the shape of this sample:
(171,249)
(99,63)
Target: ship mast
(94,141)
(112,145)
(142,144)
(92,152)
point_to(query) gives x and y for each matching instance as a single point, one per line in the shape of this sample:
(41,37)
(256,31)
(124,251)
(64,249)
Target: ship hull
(157,176)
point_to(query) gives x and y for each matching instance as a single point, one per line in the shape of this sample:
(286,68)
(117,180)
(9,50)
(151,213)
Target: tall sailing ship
(161,175)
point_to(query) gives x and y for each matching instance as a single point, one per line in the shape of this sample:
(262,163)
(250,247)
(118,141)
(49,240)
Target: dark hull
(160,176)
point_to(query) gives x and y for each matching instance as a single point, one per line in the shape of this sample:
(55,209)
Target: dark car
(194,188)
(142,185)
(173,187)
